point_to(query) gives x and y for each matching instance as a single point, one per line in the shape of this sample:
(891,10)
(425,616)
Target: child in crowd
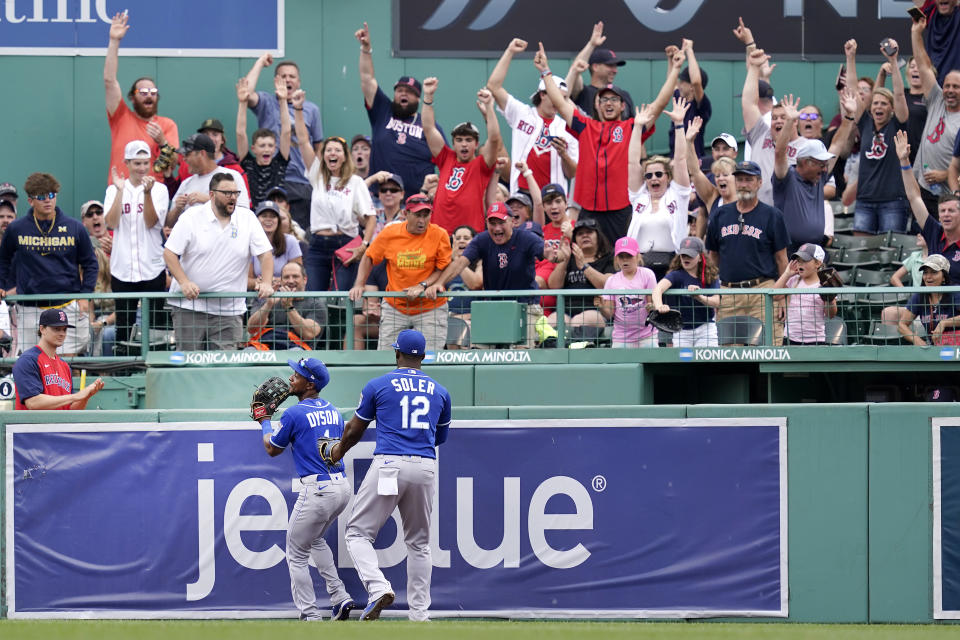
(264,163)
(629,311)
(690,270)
(806,314)
(938,312)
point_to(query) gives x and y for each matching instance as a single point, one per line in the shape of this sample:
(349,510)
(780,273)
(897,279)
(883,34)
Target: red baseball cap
(499,210)
(418,202)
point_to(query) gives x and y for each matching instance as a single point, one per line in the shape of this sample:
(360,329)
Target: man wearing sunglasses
(142,123)
(209,250)
(200,153)
(53,254)
(91,215)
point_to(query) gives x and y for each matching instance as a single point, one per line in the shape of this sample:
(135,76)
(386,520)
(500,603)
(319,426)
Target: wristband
(424,101)
(266,426)
(527,173)
(298,108)
(851,118)
(545,73)
(362,50)
(751,44)
(678,126)
(905,167)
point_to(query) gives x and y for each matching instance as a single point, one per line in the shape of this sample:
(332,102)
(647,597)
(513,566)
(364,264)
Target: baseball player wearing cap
(324,491)
(397,138)
(413,416)
(42,379)
(539,137)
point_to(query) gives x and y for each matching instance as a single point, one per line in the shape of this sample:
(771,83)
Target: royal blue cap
(552,190)
(411,342)
(313,370)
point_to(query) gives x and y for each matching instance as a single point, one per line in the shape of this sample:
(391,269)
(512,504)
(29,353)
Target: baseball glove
(829,278)
(267,397)
(325,447)
(166,158)
(669,321)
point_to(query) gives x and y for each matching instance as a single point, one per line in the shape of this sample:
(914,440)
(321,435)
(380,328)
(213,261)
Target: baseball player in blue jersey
(413,415)
(325,492)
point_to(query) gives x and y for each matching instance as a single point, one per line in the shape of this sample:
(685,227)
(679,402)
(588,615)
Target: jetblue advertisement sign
(171,28)
(642,28)
(555,519)
(946,518)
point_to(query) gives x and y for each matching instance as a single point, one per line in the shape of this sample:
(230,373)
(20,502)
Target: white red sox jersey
(530,133)
(137,253)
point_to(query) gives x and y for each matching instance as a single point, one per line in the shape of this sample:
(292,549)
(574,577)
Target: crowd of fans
(575,203)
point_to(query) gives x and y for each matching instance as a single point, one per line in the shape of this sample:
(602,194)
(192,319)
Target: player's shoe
(342,610)
(374,607)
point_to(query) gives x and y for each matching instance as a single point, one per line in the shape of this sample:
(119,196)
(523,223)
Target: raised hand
(280,87)
(502,161)
(429,86)
(679,110)
(694,128)
(919,25)
(766,70)
(597,38)
(155,132)
(243,91)
(540,59)
(679,57)
(791,107)
(521,166)
(517,45)
(484,100)
(148,183)
(742,33)
(644,115)
(671,50)
(117,179)
(758,58)
(119,26)
(265,59)
(896,51)
(850,47)
(363,36)
(298,98)
(903,147)
(849,101)
(579,65)
(686,45)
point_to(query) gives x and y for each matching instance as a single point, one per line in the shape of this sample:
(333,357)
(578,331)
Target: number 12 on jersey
(414,411)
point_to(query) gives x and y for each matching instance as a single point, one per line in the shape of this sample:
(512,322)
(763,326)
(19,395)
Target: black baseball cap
(277,190)
(605,56)
(8,203)
(54,318)
(553,190)
(8,190)
(198,142)
(215,125)
(685,76)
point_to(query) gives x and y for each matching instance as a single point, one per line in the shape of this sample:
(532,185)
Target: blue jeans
(320,260)
(880,217)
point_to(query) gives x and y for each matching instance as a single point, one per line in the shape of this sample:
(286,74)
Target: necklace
(44,233)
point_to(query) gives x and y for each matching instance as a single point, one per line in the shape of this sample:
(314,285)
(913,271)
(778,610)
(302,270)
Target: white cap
(135,148)
(814,149)
(729,139)
(561,84)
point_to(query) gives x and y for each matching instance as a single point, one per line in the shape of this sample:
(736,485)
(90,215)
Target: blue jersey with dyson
(412,411)
(302,425)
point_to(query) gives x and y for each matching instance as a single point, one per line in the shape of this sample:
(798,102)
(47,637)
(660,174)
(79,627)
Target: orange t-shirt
(125,125)
(411,259)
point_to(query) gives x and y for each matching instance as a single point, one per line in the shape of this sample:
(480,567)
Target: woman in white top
(339,206)
(659,194)
(136,209)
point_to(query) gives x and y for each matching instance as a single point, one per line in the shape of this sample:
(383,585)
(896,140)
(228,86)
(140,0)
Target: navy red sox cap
(54,318)
(605,56)
(748,168)
(313,370)
(409,82)
(553,190)
(614,89)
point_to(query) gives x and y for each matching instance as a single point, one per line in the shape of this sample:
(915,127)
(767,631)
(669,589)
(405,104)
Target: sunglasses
(148,92)
(331,138)
(45,196)
(389,190)
(653,174)
(93,212)
(809,116)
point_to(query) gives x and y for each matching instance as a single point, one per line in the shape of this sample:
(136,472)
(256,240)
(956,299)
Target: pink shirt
(805,313)
(630,313)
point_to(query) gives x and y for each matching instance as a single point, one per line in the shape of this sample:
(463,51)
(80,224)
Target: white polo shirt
(201,184)
(215,257)
(137,253)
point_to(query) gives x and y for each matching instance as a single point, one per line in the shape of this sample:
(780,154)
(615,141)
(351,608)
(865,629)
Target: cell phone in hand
(842,77)
(915,13)
(888,48)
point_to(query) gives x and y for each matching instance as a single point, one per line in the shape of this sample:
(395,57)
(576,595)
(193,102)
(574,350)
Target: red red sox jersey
(461,191)
(601,183)
(35,372)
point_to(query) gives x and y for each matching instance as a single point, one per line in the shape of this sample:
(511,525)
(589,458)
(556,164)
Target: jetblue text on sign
(552,518)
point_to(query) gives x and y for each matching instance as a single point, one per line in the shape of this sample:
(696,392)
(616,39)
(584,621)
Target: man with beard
(200,153)
(540,139)
(142,123)
(465,170)
(267,107)
(747,240)
(933,159)
(8,213)
(209,250)
(398,143)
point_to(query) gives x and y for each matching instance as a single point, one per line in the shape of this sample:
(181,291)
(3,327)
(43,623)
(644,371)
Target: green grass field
(455,629)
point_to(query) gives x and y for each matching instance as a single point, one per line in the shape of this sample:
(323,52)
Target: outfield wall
(859,497)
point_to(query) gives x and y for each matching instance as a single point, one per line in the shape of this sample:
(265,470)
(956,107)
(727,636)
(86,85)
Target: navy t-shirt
(748,252)
(398,146)
(930,316)
(802,205)
(879,171)
(936,243)
(703,109)
(412,411)
(693,312)
(507,266)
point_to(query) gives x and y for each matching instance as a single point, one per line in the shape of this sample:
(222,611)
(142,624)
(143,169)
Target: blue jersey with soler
(302,425)
(412,411)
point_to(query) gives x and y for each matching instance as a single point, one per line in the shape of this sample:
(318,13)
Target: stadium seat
(835,331)
(740,330)
(883,334)
(860,242)
(842,224)
(458,332)
(905,242)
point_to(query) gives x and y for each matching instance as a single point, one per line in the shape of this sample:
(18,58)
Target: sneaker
(374,607)
(342,610)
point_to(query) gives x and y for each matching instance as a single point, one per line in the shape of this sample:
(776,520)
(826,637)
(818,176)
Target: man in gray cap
(9,193)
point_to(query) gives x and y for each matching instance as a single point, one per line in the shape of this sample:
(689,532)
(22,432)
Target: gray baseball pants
(318,506)
(407,483)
